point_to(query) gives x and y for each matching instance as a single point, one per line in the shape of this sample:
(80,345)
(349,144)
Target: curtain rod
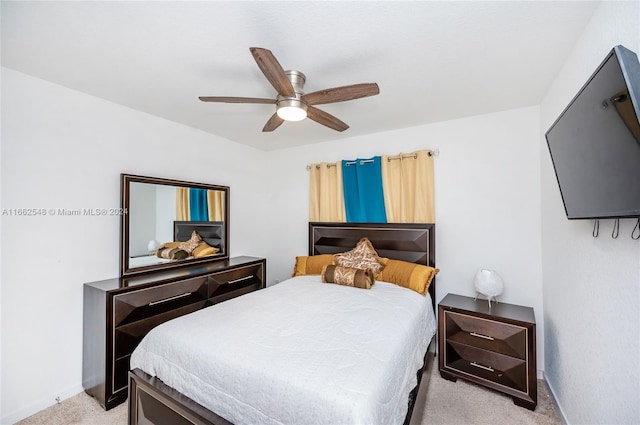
(435,152)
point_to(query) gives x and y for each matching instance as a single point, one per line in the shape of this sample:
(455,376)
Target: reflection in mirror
(171,222)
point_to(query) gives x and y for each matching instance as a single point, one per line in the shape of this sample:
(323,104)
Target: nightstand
(494,347)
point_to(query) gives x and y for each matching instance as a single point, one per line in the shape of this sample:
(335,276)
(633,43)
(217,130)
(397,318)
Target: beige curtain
(407,180)
(182,203)
(326,198)
(215,205)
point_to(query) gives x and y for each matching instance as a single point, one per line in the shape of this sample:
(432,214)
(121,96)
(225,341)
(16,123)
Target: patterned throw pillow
(348,276)
(363,256)
(192,243)
(172,253)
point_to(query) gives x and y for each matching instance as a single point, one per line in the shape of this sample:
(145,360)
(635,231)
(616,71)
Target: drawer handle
(242,279)
(490,369)
(490,338)
(186,294)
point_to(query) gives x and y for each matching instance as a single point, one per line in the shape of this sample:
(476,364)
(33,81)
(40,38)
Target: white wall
(64,149)
(142,217)
(591,286)
(487,183)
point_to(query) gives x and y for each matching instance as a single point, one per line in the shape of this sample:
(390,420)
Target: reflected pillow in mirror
(204,250)
(311,264)
(192,243)
(348,276)
(363,256)
(168,245)
(172,253)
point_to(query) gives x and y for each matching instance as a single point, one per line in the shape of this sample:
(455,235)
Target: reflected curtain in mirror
(193,204)
(215,204)
(182,203)
(326,199)
(409,187)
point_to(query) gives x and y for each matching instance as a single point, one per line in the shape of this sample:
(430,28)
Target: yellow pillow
(363,257)
(408,275)
(169,245)
(203,250)
(311,264)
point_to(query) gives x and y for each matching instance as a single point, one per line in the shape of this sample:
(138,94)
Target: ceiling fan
(292,104)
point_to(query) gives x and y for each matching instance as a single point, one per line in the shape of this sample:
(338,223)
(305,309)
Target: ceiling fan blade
(271,69)
(340,94)
(226,99)
(274,122)
(326,119)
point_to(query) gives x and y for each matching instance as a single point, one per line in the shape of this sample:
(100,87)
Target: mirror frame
(125,191)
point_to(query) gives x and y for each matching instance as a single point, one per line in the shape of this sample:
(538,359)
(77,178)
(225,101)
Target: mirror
(161,215)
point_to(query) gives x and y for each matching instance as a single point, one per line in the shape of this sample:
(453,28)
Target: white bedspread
(300,352)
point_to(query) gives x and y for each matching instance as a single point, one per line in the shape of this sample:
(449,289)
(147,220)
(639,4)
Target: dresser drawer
(232,283)
(490,335)
(127,337)
(143,303)
(504,370)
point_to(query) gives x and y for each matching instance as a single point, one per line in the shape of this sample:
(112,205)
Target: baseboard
(37,406)
(555,402)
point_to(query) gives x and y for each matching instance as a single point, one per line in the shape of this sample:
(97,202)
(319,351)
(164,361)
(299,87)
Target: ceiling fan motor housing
(297,79)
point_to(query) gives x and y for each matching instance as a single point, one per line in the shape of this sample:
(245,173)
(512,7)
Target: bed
(211,232)
(290,354)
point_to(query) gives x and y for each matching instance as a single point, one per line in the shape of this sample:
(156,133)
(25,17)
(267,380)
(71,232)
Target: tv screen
(595,143)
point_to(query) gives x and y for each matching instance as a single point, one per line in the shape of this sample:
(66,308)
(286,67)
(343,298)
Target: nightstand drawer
(504,370)
(491,335)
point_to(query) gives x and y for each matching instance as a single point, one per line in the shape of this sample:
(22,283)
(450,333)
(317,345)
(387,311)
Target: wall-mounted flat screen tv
(595,143)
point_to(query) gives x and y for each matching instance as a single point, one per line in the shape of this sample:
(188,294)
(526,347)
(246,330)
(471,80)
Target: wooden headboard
(413,242)
(212,232)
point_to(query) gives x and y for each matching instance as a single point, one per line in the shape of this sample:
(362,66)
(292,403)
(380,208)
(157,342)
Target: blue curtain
(198,210)
(363,195)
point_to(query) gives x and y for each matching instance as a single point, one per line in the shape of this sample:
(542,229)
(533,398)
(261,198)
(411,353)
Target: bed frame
(212,232)
(151,401)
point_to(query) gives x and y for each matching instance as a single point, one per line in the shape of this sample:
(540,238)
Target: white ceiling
(433,61)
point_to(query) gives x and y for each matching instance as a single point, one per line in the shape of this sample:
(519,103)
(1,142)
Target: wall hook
(616,229)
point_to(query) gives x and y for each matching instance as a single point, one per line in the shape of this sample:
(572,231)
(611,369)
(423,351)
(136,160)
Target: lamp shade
(153,245)
(488,283)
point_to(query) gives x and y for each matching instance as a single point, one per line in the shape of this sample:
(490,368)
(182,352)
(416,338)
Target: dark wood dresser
(494,347)
(119,312)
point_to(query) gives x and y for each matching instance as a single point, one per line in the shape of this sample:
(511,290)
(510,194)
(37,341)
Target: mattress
(148,260)
(299,352)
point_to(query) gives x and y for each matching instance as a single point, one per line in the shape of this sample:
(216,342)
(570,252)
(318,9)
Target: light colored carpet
(447,403)
(462,402)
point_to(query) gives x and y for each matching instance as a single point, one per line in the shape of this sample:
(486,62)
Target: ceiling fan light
(292,113)
(292,110)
